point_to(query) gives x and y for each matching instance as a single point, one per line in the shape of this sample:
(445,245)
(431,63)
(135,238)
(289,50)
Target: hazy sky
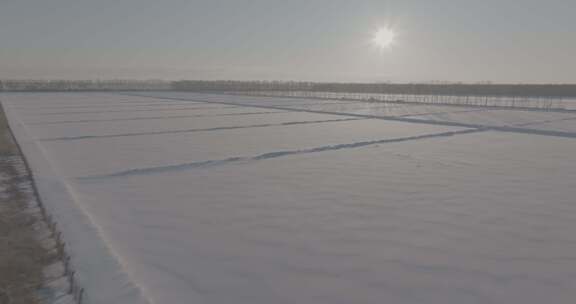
(320,40)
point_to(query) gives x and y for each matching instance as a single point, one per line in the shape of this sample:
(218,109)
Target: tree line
(445,89)
(30,85)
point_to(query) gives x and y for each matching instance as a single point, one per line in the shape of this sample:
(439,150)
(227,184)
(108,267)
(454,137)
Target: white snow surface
(174,198)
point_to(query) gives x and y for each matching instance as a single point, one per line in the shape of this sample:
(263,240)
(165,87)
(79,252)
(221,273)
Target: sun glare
(384,38)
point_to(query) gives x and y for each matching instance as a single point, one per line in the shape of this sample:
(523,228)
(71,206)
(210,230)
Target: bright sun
(384,38)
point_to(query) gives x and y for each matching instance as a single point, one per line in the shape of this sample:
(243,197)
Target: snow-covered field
(176,198)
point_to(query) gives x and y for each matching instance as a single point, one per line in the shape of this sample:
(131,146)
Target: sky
(503,41)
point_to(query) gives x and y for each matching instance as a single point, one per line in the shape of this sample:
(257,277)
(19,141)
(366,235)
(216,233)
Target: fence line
(512,102)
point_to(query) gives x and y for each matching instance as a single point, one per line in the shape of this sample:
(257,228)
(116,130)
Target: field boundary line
(270,155)
(509,129)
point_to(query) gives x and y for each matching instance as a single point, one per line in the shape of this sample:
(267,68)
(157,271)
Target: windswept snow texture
(223,199)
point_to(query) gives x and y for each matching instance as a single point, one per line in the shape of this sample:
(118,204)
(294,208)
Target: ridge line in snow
(270,155)
(134,110)
(149,118)
(290,123)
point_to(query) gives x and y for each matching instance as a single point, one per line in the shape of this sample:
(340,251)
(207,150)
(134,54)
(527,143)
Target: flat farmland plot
(204,198)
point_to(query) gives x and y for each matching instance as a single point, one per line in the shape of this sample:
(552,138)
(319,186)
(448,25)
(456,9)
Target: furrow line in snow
(271,155)
(151,118)
(382,117)
(136,110)
(99,105)
(509,129)
(444,112)
(514,129)
(545,121)
(291,123)
(355,103)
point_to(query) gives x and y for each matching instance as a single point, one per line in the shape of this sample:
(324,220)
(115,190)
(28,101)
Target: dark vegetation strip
(443,89)
(30,241)
(22,256)
(210,86)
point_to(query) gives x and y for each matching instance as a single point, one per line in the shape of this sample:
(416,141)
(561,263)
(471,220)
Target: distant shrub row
(447,89)
(82,85)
